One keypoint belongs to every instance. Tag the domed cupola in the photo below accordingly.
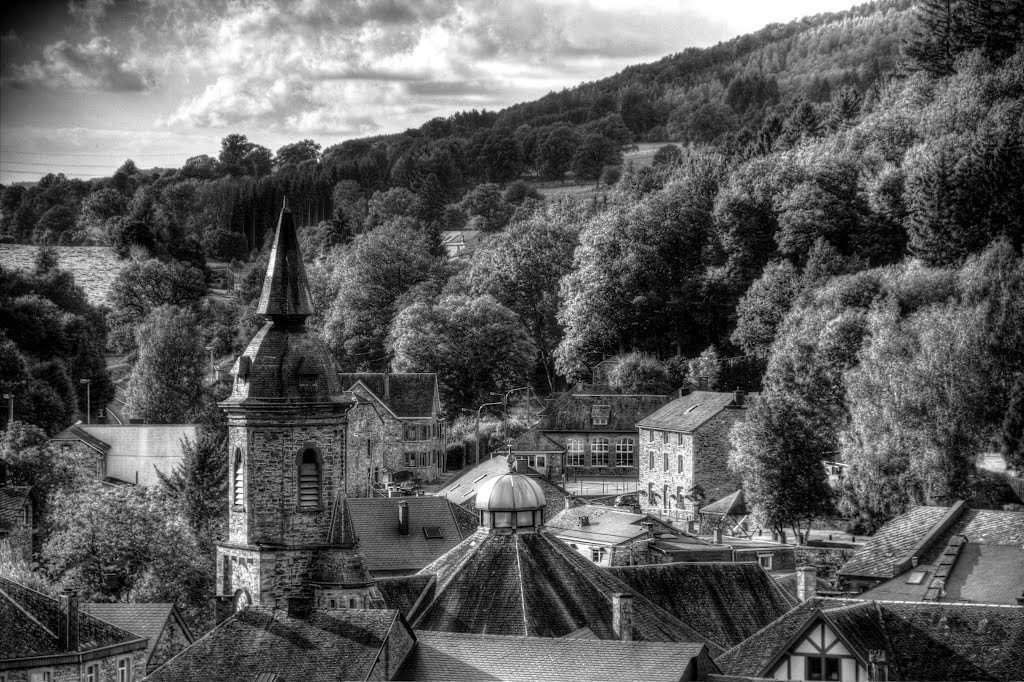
(511, 503)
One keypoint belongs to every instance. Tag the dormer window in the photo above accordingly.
(238, 480)
(307, 385)
(599, 414)
(309, 479)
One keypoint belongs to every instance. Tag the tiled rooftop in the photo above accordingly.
(687, 413)
(375, 523)
(573, 411)
(408, 394)
(144, 620)
(612, 525)
(726, 602)
(892, 542)
(75, 432)
(446, 656)
(325, 647)
(535, 441)
(12, 504)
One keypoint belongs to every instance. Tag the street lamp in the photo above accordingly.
(9, 397)
(504, 406)
(478, 427)
(88, 399)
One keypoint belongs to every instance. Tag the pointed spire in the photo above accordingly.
(285, 296)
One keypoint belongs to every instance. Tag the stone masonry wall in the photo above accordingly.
(660, 476)
(711, 457)
(270, 454)
(75, 672)
(557, 464)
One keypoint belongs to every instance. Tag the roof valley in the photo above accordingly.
(522, 589)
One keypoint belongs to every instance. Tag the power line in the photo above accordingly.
(59, 165)
(98, 154)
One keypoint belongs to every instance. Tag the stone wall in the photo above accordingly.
(75, 672)
(711, 457)
(661, 477)
(271, 449)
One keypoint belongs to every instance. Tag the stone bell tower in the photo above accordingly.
(287, 418)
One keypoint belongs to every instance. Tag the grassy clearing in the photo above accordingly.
(640, 157)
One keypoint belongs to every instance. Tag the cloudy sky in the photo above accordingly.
(85, 84)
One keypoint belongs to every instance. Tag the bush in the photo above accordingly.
(225, 246)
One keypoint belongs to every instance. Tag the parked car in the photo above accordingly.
(401, 483)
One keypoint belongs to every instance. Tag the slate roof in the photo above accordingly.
(923, 641)
(402, 593)
(285, 291)
(534, 585)
(573, 411)
(145, 620)
(730, 505)
(535, 441)
(892, 542)
(981, 526)
(75, 432)
(12, 503)
(448, 656)
(725, 602)
(982, 574)
(29, 621)
(375, 522)
(687, 413)
(787, 581)
(410, 395)
(339, 566)
(611, 525)
(327, 646)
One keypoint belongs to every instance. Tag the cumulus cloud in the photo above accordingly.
(97, 64)
(89, 12)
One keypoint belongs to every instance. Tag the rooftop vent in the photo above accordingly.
(584, 520)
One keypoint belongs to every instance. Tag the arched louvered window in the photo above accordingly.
(309, 479)
(238, 498)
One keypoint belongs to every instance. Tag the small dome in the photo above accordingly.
(510, 492)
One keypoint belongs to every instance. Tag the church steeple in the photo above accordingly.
(285, 297)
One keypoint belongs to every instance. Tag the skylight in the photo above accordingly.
(477, 480)
(432, 532)
(691, 409)
(917, 577)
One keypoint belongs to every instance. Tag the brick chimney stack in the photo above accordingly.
(702, 384)
(622, 616)
(403, 517)
(806, 582)
(740, 397)
(716, 536)
(67, 621)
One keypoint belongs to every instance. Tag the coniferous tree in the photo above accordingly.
(200, 485)
(936, 37)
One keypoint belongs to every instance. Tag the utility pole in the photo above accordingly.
(10, 407)
(478, 427)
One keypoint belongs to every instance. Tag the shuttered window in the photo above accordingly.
(239, 480)
(309, 480)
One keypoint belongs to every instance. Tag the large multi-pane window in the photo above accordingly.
(624, 452)
(599, 452)
(574, 452)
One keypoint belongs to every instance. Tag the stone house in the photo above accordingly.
(395, 425)
(588, 431)
(162, 625)
(18, 518)
(53, 640)
(683, 452)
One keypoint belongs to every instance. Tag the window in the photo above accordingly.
(353, 604)
(536, 461)
(309, 479)
(599, 414)
(124, 670)
(664, 496)
(574, 452)
(650, 460)
(650, 436)
(41, 676)
(650, 492)
(765, 560)
(679, 463)
(432, 532)
(333, 603)
(410, 459)
(599, 452)
(597, 554)
(679, 439)
(422, 459)
(239, 480)
(916, 578)
(664, 462)
(824, 668)
(624, 452)
(92, 673)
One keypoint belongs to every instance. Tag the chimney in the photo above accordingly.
(622, 616)
(648, 527)
(584, 521)
(806, 582)
(223, 607)
(716, 536)
(568, 501)
(740, 396)
(702, 383)
(67, 621)
(3, 473)
(403, 517)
